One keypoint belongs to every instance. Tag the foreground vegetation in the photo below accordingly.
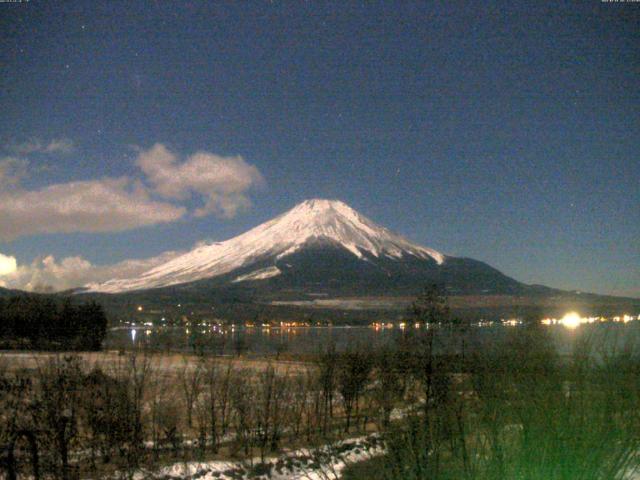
(516, 410)
(49, 323)
(522, 412)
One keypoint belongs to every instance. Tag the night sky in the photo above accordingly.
(508, 132)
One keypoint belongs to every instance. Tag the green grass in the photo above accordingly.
(524, 413)
(372, 469)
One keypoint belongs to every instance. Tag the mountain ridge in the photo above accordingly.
(325, 249)
(314, 221)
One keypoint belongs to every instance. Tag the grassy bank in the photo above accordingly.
(522, 412)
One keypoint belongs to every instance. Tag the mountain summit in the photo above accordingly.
(313, 225)
(324, 256)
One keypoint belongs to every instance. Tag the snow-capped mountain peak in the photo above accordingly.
(312, 221)
(335, 220)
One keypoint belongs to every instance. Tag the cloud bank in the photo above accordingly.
(47, 274)
(12, 171)
(7, 265)
(35, 145)
(219, 184)
(167, 184)
(107, 205)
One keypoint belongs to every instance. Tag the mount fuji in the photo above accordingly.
(322, 247)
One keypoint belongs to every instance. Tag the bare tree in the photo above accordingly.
(273, 391)
(107, 415)
(429, 309)
(19, 410)
(264, 404)
(159, 386)
(168, 422)
(240, 393)
(313, 410)
(391, 382)
(214, 405)
(327, 366)
(136, 373)
(353, 374)
(301, 385)
(59, 381)
(191, 383)
(224, 397)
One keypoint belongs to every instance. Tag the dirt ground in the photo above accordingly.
(161, 362)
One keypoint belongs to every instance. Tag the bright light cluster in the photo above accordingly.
(573, 320)
(570, 320)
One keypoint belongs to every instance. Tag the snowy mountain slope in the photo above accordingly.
(260, 274)
(310, 223)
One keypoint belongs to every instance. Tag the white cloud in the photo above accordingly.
(7, 265)
(222, 182)
(107, 205)
(35, 145)
(117, 204)
(62, 145)
(46, 274)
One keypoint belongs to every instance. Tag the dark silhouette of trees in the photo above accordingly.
(391, 374)
(327, 368)
(353, 375)
(107, 413)
(431, 306)
(41, 322)
(59, 398)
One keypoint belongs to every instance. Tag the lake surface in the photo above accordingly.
(311, 340)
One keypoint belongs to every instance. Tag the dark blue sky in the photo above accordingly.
(507, 131)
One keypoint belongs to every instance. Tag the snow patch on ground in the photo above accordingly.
(323, 463)
(346, 303)
(261, 274)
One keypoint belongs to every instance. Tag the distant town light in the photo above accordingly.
(139, 308)
(571, 320)
(512, 322)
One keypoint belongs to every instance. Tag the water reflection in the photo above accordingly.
(233, 340)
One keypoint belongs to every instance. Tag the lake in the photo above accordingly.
(310, 340)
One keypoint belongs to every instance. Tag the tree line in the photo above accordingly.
(47, 322)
